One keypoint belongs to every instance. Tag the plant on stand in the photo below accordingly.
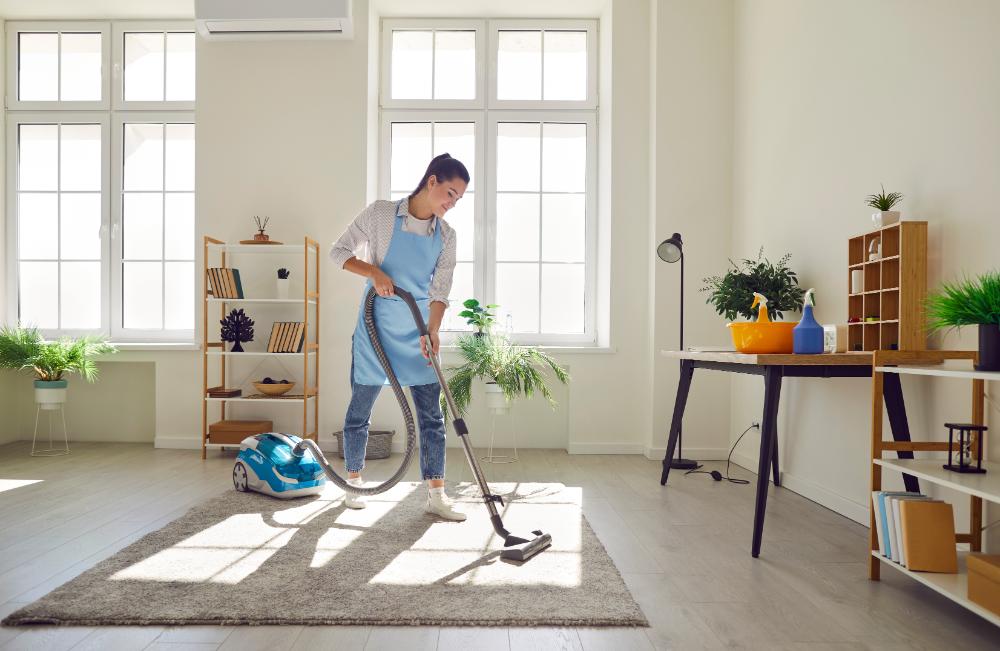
(283, 283)
(732, 294)
(883, 203)
(971, 302)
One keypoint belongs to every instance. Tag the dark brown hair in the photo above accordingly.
(443, 168)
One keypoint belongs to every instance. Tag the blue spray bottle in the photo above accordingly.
(807, 336)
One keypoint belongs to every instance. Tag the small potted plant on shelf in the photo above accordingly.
(732, 295)
(507, 369)
(883, 203)
(237, 327)
(24, 348)
(478, 316)
(971, 302)
(283, 283)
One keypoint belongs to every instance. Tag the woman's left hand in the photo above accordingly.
(435, 345)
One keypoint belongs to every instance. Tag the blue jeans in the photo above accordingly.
(426, 400)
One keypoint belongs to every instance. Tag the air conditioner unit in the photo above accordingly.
(273, 19)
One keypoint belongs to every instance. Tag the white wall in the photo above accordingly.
(831, 100)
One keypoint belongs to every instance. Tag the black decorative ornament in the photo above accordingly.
(237, 327)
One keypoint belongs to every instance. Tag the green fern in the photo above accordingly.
(25, 348)
(517, 370)
(732, 294)
(966, 302)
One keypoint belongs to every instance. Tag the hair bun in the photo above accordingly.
(441, 156)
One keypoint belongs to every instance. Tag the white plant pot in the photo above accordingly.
(282, 287)
(50, 395)
(885, 218)
(495, 399)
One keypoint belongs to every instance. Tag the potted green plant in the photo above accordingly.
(478, 316)
(883, 203)
(971, 302)
(732, 293)
(25, 349)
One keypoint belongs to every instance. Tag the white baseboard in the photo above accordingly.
(812, 491)
(328, 446)
(698, 454)
(605, 448)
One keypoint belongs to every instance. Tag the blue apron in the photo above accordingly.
(410, 262)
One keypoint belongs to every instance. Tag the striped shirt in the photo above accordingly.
(368, 237)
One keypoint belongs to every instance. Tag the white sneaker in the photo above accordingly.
(353, 500)
(441, 505)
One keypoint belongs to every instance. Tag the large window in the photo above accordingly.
(516, 101)
(100, 209)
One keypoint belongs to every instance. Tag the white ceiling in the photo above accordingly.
(56, 9)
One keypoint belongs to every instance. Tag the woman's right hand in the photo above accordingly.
(383, 283)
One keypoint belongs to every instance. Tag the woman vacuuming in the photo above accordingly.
(408, 245)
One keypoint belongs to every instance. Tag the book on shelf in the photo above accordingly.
(928, 536)
(899, 545)
(225, 282)
(882, 519)
(286, 337)
(222, 392)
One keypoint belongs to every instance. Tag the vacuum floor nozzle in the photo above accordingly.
(520, 549)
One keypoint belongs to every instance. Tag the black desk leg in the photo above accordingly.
(774, 463)
(683, 386)
(768, 434)
(892, 392)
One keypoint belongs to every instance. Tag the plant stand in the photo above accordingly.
(50, 451)
(499, 458)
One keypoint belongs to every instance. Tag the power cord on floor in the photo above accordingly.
(718, 476)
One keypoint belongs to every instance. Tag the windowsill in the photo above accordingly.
(155, 346)
(566, 350)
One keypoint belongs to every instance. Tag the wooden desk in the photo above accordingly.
(773, 368)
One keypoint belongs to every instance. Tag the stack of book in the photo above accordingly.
(225, 282)
(916, 531)
(223, 392)
(286, 337)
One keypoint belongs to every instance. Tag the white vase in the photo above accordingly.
(885, 218)
(495, 399)
(50, 395)
(282, 288)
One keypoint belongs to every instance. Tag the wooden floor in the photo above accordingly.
(684, 551)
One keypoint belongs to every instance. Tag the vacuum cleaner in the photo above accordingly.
(288, 466)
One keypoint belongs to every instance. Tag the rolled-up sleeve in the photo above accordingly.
(357, 235)
(445, 270)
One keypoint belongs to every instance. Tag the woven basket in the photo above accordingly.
(379, 443)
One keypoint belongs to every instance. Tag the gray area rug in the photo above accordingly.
(245, 558)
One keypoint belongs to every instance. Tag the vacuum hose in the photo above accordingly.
(404, 404)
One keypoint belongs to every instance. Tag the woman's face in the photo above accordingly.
(443, 195)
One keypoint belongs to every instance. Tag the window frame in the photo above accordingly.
(14, 28)
(119, 29)
(13, 257)
(429, 24)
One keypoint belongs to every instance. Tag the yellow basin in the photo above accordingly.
(758, 338)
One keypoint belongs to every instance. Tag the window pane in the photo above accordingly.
(38, 67)
(564, 157)
(517, 227)
(80, 77)
(518, 156)
(410, 154)
(142, 295)
(144, 67)
(180, 67)
(564, 227)
(80, 157)
(37, 222)
(519, 65)
(179, 157)
(461, 290)
(459, 140)
(462, 219)
(563, 298)
(411, 64)
(455, 65)
(80, 226)
(565, 66)
(80, 293)
(179, 230)
(39, 287)
(179, 294)
(143, 157)
(38, 155)
(517, 294)
(142, 226)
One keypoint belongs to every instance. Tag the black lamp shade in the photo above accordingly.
(671, 250)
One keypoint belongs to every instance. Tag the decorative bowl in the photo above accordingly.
(275, 389)
(761, 338)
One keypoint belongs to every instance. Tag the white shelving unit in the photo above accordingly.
(978, 487)
(215, 350)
